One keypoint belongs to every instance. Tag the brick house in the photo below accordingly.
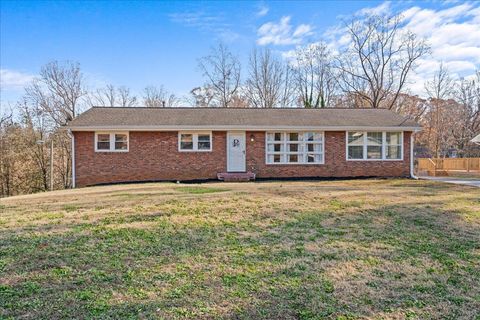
(113, 145)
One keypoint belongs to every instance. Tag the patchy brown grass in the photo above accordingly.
(376, 249)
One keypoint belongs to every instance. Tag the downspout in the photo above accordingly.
(73, 157)
(412, 174)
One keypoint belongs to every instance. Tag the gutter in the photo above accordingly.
(73, 157)
(412, 162)
(238, 127)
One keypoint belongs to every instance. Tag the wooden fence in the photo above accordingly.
(439, 166)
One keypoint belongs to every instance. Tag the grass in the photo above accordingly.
(377, 249)
(200, 190)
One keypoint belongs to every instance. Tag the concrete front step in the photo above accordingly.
(236, 176)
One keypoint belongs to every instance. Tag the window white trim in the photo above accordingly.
(112, 141)
(195, 135)
(384, 146)
(285, 142)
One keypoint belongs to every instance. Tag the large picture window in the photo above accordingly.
(111, 141)
(295, 147)
(194, 141)
(375, 145)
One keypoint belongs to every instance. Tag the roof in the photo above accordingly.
(151, 119)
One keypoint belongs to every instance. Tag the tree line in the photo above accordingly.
(371, 70)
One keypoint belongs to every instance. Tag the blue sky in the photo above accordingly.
(136, 44)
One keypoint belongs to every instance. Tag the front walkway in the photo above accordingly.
(465, 181)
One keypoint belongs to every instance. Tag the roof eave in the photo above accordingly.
(243, 128)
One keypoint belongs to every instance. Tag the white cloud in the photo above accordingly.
(197, 19)
(423, 21)
(206, 22)
(262, 10)
(459, 66)
(378, 10)
(302, 29)
(289, 55)
(14, 80)
(282, 33)
(454, 36)
(452, 31)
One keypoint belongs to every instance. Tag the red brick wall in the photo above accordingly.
(335, 165)
(151, 156)
(155, 156)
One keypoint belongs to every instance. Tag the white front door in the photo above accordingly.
(236, 152)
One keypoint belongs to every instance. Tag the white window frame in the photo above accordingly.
(112, 141)
(384, 145)
(285, 142)
(195, 135)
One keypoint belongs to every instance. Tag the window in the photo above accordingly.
(195, 141)
(393, 145)
(374, 145)
(186, 142)
(355, 145)
(294, 147)
(111, 142)
(204, 142)
(121, 141)
(103, 142)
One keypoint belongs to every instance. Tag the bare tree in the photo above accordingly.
(439, 88)
(103, 97)
(380, 56)
(201, 97)
(222, 72)
(58, 91)
(5, 160)
(111, 96)
(467, 93)
(125, 98)
(442, 85)
(22, 160)
(264, 86)
(412, 106)
(157, 97)
(8, 161)
(314, 76)
(289, 96)
(35, 134)
(5, 116)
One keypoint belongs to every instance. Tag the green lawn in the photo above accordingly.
(376, 249)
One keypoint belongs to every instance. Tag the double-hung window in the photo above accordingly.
(294, 148)
(393, 145)
(374, 145)
(194, 141)
(111, 141)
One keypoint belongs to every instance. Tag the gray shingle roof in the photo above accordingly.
(236, 118)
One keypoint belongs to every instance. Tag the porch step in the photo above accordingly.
(236, 176)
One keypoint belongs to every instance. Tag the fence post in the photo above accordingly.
(468, 164)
